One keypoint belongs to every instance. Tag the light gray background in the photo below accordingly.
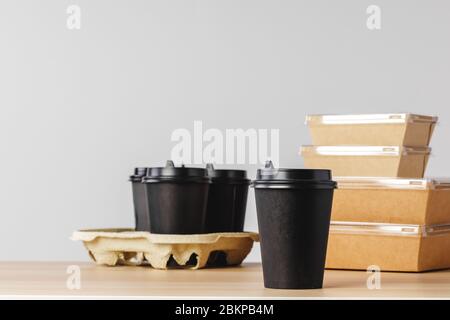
(79, 109)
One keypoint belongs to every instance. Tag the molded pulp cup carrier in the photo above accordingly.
(140, 203)
(177, 199)
(227, 200)
(293, 208)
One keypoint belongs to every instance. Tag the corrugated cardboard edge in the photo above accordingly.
(123, 246)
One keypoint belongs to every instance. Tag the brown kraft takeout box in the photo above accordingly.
(391, 247)
(397, 129)
(401, 201)
(372, 161)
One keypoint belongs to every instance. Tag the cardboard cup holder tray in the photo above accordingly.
(163, 251)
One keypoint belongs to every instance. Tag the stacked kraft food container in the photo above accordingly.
(385, 213)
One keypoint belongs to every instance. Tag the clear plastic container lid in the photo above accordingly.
(387, 228)
(392, 183)
(381, 118)
(364, 150)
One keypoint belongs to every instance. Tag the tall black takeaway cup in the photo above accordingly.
(227, 200)
(293, 208)
(177, 199)
(141, 214)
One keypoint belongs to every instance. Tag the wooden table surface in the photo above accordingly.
(49, 279)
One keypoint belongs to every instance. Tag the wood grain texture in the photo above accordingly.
(43, 279)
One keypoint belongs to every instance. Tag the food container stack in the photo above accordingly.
(378, 145)
(385, 213)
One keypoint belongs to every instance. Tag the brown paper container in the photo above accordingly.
(409, 248)
(126, 246)
(400, 129)
(371, 161)
(403, 201)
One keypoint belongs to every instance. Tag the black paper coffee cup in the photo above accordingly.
(227, 200)
(141, 213)
(293, 208)
(177, 199)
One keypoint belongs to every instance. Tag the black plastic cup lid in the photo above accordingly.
(172, 173)
(307, 177)
(138, 174)
(226, 174)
